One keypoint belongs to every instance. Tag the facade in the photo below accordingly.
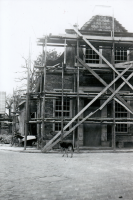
(85, 89)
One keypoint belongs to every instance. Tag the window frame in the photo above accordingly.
(122, 126)
(120, 53)
(91, 56)
(54, 110)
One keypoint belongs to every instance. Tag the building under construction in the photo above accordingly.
(86, 95)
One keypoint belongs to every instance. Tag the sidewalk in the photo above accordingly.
(7, 147)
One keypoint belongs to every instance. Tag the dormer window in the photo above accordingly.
(91, 56)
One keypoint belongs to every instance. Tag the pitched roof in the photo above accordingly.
(102, 23)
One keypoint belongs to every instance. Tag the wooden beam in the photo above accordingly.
(27, 99)
(98, 38)
(88, 122)
(78, 94)
(52, 44)
(124, 63)
(90, 119)
(39, 67)
(62, 100)
(42, 67)
(105, 66)
(44, 87)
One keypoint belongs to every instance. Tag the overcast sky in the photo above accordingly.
(24, 20)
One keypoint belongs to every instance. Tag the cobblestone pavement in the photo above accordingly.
(37, 176)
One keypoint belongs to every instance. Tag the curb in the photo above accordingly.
(29, 150)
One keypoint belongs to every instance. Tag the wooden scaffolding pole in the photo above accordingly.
(62, 102)
(27, 101)
(39, 113)
(74, 105)
(113, 63)
(43, 134)
(14, 115)
(62, 94)
(78, 95)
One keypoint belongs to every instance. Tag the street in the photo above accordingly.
(86, 176)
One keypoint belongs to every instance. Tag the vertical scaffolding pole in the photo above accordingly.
(62, 102)
(10, 127)
(113, 63)
(78, 95)
(65, 53)
(62, 97)
(43, 134)
(27, 101)
(14, 115)
(74, 104)
(39, 113)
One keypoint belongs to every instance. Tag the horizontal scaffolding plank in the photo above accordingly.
(53, 44)
(95, 37)
(90, 119)
(72, 41)
(86, 122)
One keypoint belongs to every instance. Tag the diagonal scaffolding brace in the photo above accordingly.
(128, 107)
(117, 90)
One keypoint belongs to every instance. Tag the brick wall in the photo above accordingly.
(54, 81)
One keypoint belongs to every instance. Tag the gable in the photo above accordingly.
(102, 23)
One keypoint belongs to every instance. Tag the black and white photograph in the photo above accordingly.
(66, 99)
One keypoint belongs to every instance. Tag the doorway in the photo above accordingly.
(92, 132)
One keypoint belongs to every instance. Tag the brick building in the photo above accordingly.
(93, 77)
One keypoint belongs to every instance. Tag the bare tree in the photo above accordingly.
(51, 56)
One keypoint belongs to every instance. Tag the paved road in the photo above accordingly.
(37, 176)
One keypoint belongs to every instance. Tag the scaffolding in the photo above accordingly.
(124, 71)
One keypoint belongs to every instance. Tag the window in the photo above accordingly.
(120, 112)
(121, 128)
(58, 108)
(58, 111)
(120, 55)
(91, 56)
(58, 127)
